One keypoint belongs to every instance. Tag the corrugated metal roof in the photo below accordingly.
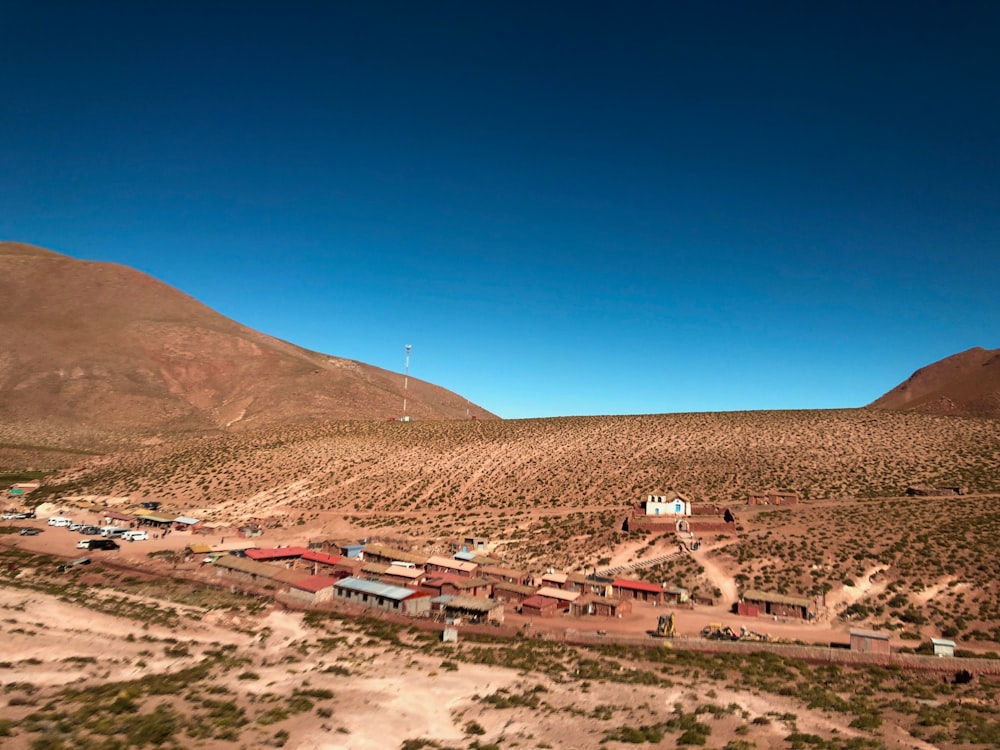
(553, 593)
(276, 553)
(390, 553)
(321, 557)
(187, 520)
(447, 562)
(466, 556)
(375, 588)
(625, 583)
(857, 633)
(312, 584)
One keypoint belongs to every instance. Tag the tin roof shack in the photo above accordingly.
(625, 588)
(773, 497)
(438, 564)
(513, 593)
(869, 642)
(540, 606)
(943, 647)
(472, 609)
(599, 606)
(186, 523)
(312, 590)
(382, 596)
(504, 575)
(777, 605)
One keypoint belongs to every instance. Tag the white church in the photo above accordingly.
(671, 504)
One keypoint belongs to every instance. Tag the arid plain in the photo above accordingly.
(112, 658)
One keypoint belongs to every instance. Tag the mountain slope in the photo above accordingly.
(93, 349)
(967, 383)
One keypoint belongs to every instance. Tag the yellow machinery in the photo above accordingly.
(666, 627)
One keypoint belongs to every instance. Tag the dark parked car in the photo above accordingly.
(91, 530)
(30, 531)
(102, 544)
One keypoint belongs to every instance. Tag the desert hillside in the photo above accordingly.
(92, 354)
(967, 383)
(568, 464)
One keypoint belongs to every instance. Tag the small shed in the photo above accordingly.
(943, 647)
(869, 642)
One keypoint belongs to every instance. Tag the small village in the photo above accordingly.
(472, 586)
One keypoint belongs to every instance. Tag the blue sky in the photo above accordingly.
(566, 208)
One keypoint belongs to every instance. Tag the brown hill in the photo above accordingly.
(95, 353)
(967, 384)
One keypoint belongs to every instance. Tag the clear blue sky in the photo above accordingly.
(567, 208)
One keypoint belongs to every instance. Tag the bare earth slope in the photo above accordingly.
(967, 383)
(90, 351)
(566, 463)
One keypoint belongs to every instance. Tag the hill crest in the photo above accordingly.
(95, 351)
(966, 384)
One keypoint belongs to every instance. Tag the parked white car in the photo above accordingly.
(60, 521)
(135, 536)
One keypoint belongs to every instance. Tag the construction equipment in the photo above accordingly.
(665, 627)
(716, 631)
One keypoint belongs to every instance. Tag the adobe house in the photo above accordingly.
(563, 598)
(540, 606)
(440, 584)
(379, 553)
(754, 603)
(438, 564)
(504, 575)
(773, 497)
(312, 590)
(284, 555)
(590, 584)
(869, 642)
(319, 563)
(382, 596)
(626, 588)
(599, 606)
(513, 593)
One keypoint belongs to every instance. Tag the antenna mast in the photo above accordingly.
(406, 378)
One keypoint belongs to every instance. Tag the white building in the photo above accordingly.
(671, 504)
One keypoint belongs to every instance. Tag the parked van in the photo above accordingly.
(97, 544)
(112, 532)
(60, 521)
(135, 536)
